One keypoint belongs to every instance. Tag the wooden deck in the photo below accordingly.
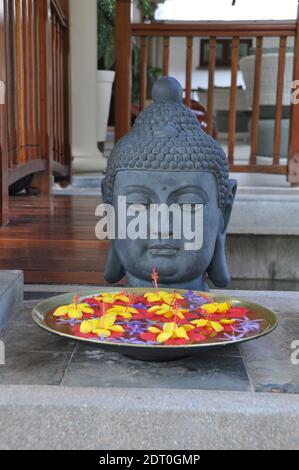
(53, 240)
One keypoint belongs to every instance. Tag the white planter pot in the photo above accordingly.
(105, 79)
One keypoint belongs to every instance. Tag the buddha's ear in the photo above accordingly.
(227, 209)
(218, 270)
(103, 189)
(114, 270)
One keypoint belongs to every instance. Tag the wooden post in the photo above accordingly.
(279, 98)
(212, 65)
(189, 71)
(66, 134)
(165, 56)
(143, 72)
(123, 80)
(43, 181)
(233, 100)
(293, 164)
(256, 100)
(3, 125)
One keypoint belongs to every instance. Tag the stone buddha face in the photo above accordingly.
(196, 186)
(176, 266)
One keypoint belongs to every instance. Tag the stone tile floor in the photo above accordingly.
(35, 357)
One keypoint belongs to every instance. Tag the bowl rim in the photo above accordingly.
(40, 311)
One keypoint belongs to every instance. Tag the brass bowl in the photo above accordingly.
(149, 352)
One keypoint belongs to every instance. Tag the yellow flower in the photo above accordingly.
(216, 307)
(75, 311)
(166, 297)
(170, 297)
(171, 330)
(212, 325)
(168, 311)
(122, 311)
(110, 298)
(103, 326)
(153, 296)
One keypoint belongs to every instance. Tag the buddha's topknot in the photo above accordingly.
(167, 136)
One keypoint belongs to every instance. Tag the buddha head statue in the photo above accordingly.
(167, 159)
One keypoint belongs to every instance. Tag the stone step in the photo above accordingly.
(66, 393)
(263, 241)
(176, 419)
(265, 211)
(11, 295)
(263, 257)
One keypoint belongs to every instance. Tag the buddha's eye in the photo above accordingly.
(138, 201)
(138, 207)
(191, 208)
(190, 202)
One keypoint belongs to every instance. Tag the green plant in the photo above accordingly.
(106, 28)
(148, 8)
(153, 73)
(106, 41)
(106, 34)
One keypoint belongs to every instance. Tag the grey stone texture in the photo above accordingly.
(165, 158)
(167, 136)
(11, 295)
(96, 368)
(268, 257)
(95, 418)
(265, 211)
(263, 240)
(58, 395)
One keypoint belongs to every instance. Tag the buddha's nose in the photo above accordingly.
(162, 231)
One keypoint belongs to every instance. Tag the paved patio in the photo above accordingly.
(257, 372)
(35, 357)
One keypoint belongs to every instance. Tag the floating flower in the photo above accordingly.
(171, 331)
(195, 301)
(111, 298)
(168, 311)
(216, 307)
(122, 311)
(102, 327)
(212, 325)
(75, 311)
(237, 312)
(162, 296)
(157, 318)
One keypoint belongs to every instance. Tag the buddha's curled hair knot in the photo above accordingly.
(167, 136)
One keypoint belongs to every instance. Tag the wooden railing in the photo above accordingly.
(3, 135)
(235, 31)
(34, 57)
(60, 91)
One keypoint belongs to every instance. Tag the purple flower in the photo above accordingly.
(195, 301)
(71, 322)
(139, 306)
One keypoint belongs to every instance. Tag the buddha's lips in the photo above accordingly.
(163, 250)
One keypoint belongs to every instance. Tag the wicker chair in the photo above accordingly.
(268, 89)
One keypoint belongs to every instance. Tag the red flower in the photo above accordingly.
(148, 336)
(195, 336)
(116, 334)
(237, 312)
(191, 316)
(76, 331)
(178, 341)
